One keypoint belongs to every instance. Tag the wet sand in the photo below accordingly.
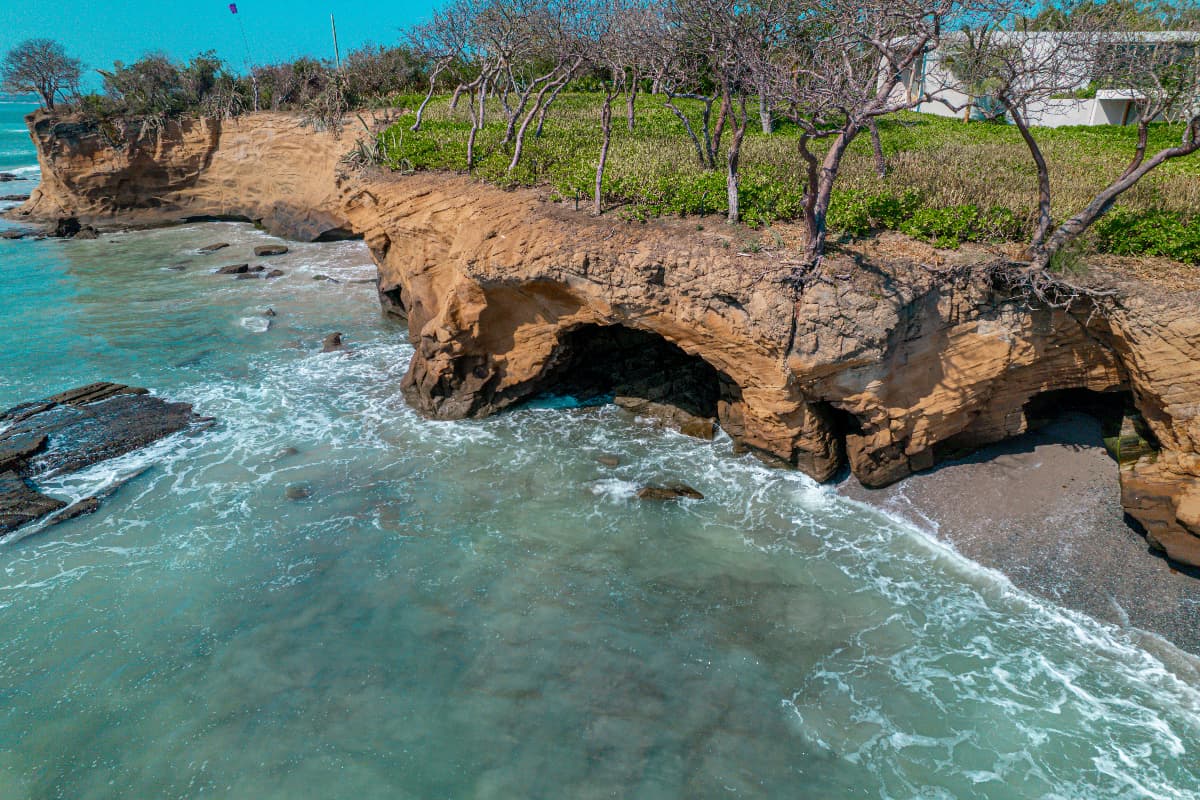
(1045, 510)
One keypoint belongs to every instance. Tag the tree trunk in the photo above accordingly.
(606, 138)
(700, 154)
(764, 113)
(519, 147)
(1037, 245)
(631, 102)
(817, 196)
(1100, 205)
(541, 118)
(731, 163)
(877, 145)
(719, 129)
(416, 126)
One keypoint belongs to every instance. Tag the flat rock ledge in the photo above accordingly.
(69, 432)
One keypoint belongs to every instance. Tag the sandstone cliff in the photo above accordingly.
(884, 365)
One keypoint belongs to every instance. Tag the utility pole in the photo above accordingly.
(337, 55)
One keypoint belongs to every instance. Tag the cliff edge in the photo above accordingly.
(885, 364)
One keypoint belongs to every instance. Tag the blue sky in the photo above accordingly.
(101, 31)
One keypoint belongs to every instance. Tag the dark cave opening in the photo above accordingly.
(600, 363)
(1123, 432)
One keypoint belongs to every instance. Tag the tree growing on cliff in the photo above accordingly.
(42, 67)
(837, 69)
(1014, 73)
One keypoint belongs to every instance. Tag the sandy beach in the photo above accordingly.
(1044, 509)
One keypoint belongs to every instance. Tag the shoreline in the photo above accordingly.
(1044, 510)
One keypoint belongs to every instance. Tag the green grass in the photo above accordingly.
(948, 181)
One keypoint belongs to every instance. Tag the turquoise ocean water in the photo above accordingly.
(480, 609)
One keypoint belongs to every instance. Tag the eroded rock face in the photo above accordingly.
(266, 169)
(884, 366)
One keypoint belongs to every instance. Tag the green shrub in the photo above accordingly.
(857, 213)
(1153, 233)
(953, 225)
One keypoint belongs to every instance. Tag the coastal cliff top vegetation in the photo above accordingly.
(943, 181)
(773, 110)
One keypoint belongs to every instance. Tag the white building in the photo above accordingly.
(1069, 68)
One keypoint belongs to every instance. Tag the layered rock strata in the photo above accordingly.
(69, 432)
(882, 365)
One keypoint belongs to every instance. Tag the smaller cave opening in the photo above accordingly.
(1121, 429)
(339, 235)
(643, 373)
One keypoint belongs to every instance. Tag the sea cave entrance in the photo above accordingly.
(1121, 429)
(644, 373)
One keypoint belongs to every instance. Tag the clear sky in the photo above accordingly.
(101, 31)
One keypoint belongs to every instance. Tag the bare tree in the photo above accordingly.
(839, 69)
(443, 43)
(621, 56)
(562, 33)
(1016, 73)
(40, 66)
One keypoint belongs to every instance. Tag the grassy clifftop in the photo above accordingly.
(947, 181)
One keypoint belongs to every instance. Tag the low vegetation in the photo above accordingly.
(946, 181)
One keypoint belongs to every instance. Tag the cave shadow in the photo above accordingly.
(594, 364)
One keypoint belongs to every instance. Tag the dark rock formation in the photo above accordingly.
(266, 250)
(333, 344)
(234, 269)
(66, 227)
(212, 248)
(71, 431)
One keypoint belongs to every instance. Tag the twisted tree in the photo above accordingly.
(41, 67)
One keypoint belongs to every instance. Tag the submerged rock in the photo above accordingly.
(212, 248)
(73, 430)
(275, 273)
(87, 232)
(333, 344)
(608, 461)
(266, 250)
(298, 491)
(234, 269)
(672, 491)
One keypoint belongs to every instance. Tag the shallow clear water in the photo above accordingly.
(480, 609)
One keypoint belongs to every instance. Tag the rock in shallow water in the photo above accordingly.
(672, 491)
(266, 250)
(298, 491)
(212, 248)
(21, 504)
(71, 431)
